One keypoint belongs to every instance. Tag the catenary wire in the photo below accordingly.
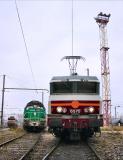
(27, 52)
(72, 26)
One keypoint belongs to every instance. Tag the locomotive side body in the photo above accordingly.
(74, 106)
(34, 116)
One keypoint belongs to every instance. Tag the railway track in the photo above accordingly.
(94, 151)
(72, 151)
(10, 140)
(4, 129)
(8, 136)
(46, 157)
(19, 147)
(43, 147)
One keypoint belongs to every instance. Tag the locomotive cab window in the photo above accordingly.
(88, 87)
(74, 87)
(61, 87)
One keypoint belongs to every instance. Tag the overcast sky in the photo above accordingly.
(47, 29)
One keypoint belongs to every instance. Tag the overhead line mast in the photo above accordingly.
(102, 20)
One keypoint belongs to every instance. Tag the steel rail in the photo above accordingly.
(94, 151)
(3, 129)
(51, 151)
(29, 150)
(6, 142)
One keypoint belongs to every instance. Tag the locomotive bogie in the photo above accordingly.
(86, 125)
(34, 125)
(68, 122)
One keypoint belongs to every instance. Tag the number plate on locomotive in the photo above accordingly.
(72, 111)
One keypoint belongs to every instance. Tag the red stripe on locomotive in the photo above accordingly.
(77, 106)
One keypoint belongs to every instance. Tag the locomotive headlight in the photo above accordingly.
(59, 109)
(64, 110)
(86, 110)
(91, 109)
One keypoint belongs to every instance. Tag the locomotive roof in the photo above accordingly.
(75, 78)
(34, 102)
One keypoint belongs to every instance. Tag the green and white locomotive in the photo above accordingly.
(34, 116)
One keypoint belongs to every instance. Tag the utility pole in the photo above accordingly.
(116, 111)
(43, 97)
(3, 90)
(102, 20)
(88, 72)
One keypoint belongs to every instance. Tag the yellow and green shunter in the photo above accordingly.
(34, 116)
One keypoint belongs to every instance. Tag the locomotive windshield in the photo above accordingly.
(34, 105)
(74, 87)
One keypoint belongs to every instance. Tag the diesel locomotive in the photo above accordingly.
(74, 109)
(34, 116)
(12, 122)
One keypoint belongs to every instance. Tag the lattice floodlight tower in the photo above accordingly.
(73, 60)
(102, 20)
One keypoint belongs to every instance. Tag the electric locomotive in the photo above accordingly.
(34, 116)
(74, 105)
